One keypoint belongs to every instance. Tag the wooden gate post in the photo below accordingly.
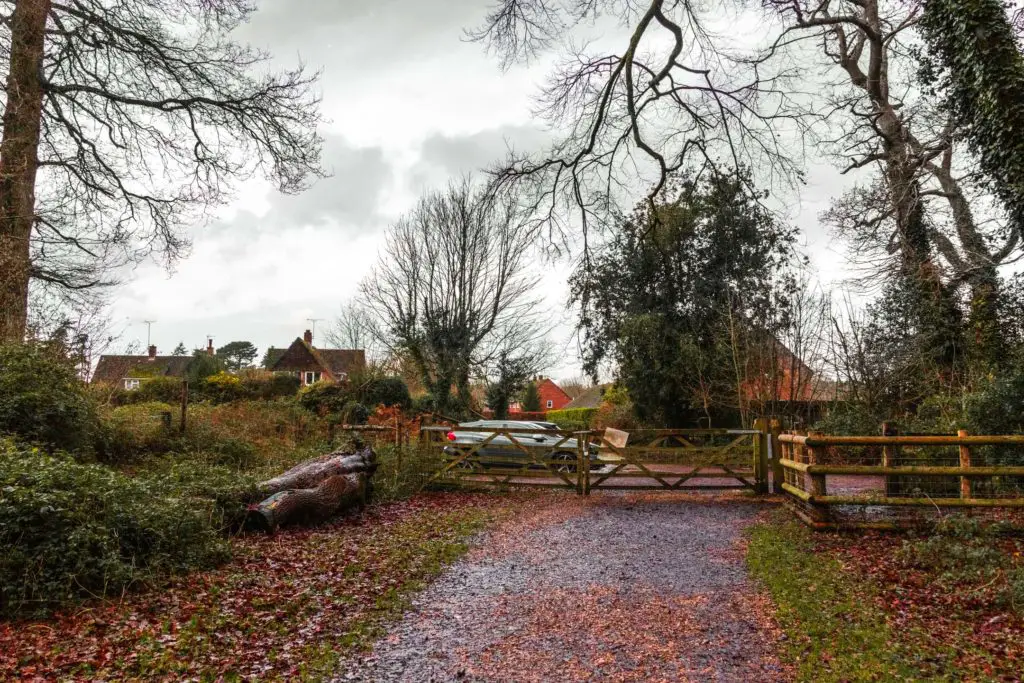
(778, 476)
(965, 461)
(761, 455)
(816, 482)
(582, 462)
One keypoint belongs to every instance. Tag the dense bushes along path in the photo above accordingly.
(625, 588)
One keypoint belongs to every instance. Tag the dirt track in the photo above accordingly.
(632, 587)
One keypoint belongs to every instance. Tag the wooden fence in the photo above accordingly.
(687, 459)
(888, 481)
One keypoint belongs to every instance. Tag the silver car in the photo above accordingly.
(546, 445)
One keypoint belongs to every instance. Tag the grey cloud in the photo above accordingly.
(350, 194)
(446, 156)
(371, 33)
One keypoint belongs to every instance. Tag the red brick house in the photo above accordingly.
(551, 396)
(312, 364)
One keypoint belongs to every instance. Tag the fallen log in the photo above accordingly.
(310, 473)
(315, 490)
(332, 496)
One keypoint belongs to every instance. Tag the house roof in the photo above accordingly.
(116, 368)
(334, 361)
(547, 381)
(590, 398)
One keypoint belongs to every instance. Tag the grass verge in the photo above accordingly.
(834, 629)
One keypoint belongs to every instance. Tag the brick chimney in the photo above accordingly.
(308, 337)
(209, 348)
(152, 352)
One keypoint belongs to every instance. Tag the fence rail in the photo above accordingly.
(830, 475)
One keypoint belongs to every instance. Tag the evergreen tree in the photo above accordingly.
(529, 402)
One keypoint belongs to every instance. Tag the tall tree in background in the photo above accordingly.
(180, 350)
(529, 399)
(237, 355)
(922, 218)
(689, 294)
(452, 290)
(122, 121)
(511, 374)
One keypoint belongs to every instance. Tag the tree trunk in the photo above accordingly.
(311, 472)
(315, 490)
(333, 495)
(19, 161)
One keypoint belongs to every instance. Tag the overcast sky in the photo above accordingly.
(409, 105)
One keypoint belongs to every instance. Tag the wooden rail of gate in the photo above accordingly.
(909, 472)
(524, 463)
(681, 459)
(678, 459)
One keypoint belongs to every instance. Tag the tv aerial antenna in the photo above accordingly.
(149, 331)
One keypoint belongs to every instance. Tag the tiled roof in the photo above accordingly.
(590, 398)
(116, 368)
(336, 361)
(346, 361)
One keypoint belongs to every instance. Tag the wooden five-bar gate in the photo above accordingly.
(830, 481)
(658, 459)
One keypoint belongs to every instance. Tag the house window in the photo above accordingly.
(131, 384)
(551, 404)
(311, 377)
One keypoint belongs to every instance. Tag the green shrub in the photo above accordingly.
(324, 397)
(270, 385)
(43, 401)
(386, 391)
(425, 403)
(355, 413)
(574, 418)
(132, 431)
(72, 530)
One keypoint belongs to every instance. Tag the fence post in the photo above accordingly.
(184, 404)
(778, 476)
(582, 462)
(816, 482)
(965, 461)
(761, 455)
(889, 458)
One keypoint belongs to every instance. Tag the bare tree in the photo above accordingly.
(123, 119)
(353, 328)
(452, 291)
(575, 385)
(919, 214)
(675, 98)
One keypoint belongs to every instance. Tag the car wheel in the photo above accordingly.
(564, 461)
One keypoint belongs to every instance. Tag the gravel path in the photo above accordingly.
(627, 587)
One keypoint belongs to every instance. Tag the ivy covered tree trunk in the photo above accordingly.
(18, 162)
(973, 47)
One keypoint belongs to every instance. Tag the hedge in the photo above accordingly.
(573, 418)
